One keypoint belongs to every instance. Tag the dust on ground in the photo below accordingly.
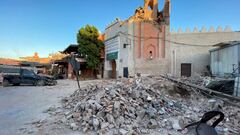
(23, 105)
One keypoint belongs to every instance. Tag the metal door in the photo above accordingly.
(186, 69)
(125, 72)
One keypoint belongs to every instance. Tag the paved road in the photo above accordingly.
(26, 104)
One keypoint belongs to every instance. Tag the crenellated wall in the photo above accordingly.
(144, 43)
(196, 46)
(202, 30)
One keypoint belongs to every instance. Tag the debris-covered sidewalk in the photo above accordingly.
(143, 105)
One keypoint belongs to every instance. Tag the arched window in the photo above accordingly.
(150, 55)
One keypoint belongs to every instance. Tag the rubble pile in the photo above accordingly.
(197, 80)
(140, 106)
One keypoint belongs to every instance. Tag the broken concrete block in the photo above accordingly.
(144, 131)
(177, 124)
(123, 131)
(120, 120)
(215, 104)
(78, 105)
(63, 120)
(74, 126)
(116, 105)
(149, 98)
(152, 124)
(85, 129)
(104, 125)
(95, 123)
(110, 118)
(69, 116)
(76, 115)
(162, 111)
(67, 113)
(152, 112)
(94, 104)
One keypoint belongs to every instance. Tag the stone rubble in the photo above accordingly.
(140, 106)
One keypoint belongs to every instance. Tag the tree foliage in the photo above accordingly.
(89, 45)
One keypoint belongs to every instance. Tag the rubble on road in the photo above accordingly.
(140, 106)
(195, 79)
(224, 85)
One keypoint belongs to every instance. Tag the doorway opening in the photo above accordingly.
(125, 72)
(186, 69)
(114, 69)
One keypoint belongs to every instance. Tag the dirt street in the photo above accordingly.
(21, 106)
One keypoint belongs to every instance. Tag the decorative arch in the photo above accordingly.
(150, 52)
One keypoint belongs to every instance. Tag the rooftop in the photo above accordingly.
(223, 45)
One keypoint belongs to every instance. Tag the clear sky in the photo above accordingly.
(47, 26)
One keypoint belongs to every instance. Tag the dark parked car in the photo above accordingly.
(28, 77)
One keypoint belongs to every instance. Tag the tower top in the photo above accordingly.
(150, 12)
(151, 9)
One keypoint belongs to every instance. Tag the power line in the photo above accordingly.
(149, 38)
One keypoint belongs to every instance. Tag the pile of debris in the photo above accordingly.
(196, 79)
(140, 106)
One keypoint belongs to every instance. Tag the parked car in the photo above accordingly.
(25, 76)
(1, 78)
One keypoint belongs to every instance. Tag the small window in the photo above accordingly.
(124, 45)
(150, 55)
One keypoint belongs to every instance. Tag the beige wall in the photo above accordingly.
(195, 52)
(198, 56)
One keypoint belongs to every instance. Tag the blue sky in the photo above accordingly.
(47, 26)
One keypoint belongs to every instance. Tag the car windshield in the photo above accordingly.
(28, 73)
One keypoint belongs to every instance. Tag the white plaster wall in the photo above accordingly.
(110, 47)
(112, 44)
(131, 51)
(116, 45)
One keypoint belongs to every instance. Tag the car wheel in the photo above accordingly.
(5, 83)
(54, 82)
(40, 83)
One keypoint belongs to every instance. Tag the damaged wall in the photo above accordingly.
(152, 49)
(130, 39)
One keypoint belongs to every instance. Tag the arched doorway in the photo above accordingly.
(114, 69)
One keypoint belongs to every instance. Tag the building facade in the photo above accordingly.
(194, 52)
(144, 44)
(138, 43)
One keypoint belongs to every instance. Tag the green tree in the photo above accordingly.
(90, 46)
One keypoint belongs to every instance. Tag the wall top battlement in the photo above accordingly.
(202, 30)
(117, 20)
